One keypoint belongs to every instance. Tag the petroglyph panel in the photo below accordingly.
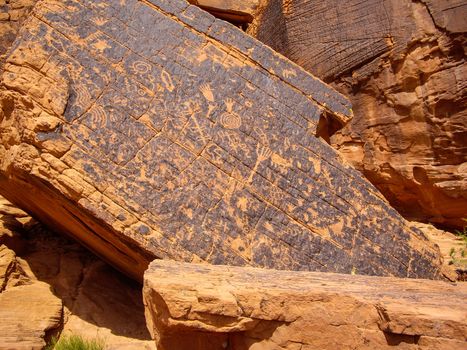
(178, 136)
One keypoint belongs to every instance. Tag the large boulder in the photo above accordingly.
(151, 129)
(402, 64)
(197, 307)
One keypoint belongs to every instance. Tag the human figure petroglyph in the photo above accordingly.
(229, 119)
(263, 153)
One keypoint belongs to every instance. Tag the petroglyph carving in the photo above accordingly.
(141, 67)
(229, 119)
(82, 95)
(99, 21)
(288, 73)
(262, 153)
(227, 181)
(207, 92)
(167, 81)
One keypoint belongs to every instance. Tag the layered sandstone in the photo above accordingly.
(195, 145)
(50, 286)
(402, 64)
(190, 306)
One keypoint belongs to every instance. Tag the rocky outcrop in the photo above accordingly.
(51, 286)
(402, 65)
(197, 145)
(28, 313)
(190, 306)
(12, 15)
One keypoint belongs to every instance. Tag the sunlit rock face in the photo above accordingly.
(402, 65)
(151, 129)
(197, 307)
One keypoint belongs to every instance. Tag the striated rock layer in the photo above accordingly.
(402, 64)
(50, 286)
(191, 306)
(151, 129)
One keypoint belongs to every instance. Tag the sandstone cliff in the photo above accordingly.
(50, 285)
(402, 64)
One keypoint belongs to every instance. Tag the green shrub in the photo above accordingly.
(458, 256)
(75, 342)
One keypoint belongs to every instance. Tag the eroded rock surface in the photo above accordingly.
(12, 15)
(52, 286)
(195, 145)
(402, 64)
(192, 306)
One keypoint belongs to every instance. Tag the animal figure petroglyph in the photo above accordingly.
(289, 73)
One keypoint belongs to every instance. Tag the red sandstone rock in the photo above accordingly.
(402, 65)
(199, 307)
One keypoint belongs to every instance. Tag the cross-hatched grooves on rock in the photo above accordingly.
(150, 129)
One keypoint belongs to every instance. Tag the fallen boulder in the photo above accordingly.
(197, 307)
(151, 129)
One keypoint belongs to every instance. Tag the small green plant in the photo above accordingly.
(75, 342)
(458, 256)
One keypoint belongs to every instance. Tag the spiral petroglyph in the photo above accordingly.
(141, 67)
(230, 120)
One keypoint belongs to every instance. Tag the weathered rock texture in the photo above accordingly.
(237, 11)
(190, 306)
(12, 15)
(402, 64)
(50, 286)
(151, 129)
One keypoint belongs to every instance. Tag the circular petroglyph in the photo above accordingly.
(141, 67)
(230, 120)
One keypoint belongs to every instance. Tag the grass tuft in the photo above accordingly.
(75, 342)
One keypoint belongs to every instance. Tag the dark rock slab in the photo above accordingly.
(150, 129)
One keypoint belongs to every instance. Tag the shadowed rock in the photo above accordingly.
(191, 306)
(151, 129)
